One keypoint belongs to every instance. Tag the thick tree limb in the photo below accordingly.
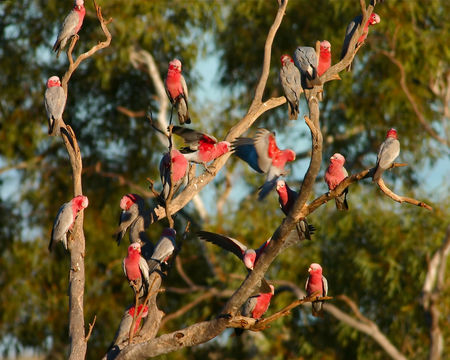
(432, 296)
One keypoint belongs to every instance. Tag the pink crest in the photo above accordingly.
(392, 133)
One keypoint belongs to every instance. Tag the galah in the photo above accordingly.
(316, 283)
(334, 175)
(163, 249)
(136, 269)
(247, 255)
(200, 148)
(324, 57)
(388, 152)
(54, 101)
(177, 91)
(70, 27)
(256, 306)
(305, 58)
(287, 197)
(263, 155)
(123, 332)
(291, 83)
(180, 172)
(135, 216)
(65, 219)
(351, 28)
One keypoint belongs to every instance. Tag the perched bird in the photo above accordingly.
(54, 101)
(256, 306)
(263, 155)
(70, 27)
(135, 216)
(123, 332)
(316, 282)
(335, 173)
(292, 87)
(163, 249)
(201, 148)
(305, 58)
(351, 28)
(136, 269)
(287, 197)
(65, 219)
(388, 152)
(324, 57)
(180, 167)
(247, 255)
(177, 91)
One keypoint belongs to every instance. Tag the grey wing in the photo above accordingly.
(224, 242)
(300, 59)
(144, 269)
(55, 99)
(124, 268)
(351, 28)
(63, 220)
(325, 285)
(389, 151)
(69, 25)
(311, 56)
(345, 171)
(185, 89)
(191, 137)
(290, 80)
(306, 284)
(261, 143)
(249, 306)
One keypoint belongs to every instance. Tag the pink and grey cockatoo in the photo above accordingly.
(291, 83)
(54, 101)
(263, 155)
(287, 197)
(334, 175)
(70, 27)
(200, 148)
(123, 332)
(136, 269)
(177, 91)
(305, 58)
(351, 28)
(135, 216)
(324, 57)
(256, 306)
(388, 152)
(316, 283)
(163, 249)
(180, 172)
(65, 219)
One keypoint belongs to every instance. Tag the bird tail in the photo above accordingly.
(183, 110)
(238, 331)
(377, 174)
(317, 310)
(341, 201)
(293, 110)
(266, 188)
(304, 230)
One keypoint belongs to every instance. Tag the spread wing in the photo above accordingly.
(193, 137)
(224, 242)
(245, 150)
(265, 144)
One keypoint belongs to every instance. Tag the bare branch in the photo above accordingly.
(91, 327)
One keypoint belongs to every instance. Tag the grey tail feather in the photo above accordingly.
(242, 141)
(341, 201)
(293, 111)
(266, 188)
(119, 237)
(317, 310)
(377, 174)
(50, 245)
(238, 331)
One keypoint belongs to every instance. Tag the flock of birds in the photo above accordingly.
(260, 152)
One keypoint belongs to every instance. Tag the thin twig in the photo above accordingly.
(401, 199)
(91, 326)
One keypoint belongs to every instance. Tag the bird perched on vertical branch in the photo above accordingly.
(305, 58)
(55, 102)
(70, 27)
(65, 219)
(200, 148)
(387, 153)
(324, 57)
(291, 83)
(123, 332)
(316, 283)
(334, 175)
(287, 197)
(256, 306)
(163, 249)
(180, 173)
(351, 28)
(263, 155)
(136, 270)
(177, 91)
